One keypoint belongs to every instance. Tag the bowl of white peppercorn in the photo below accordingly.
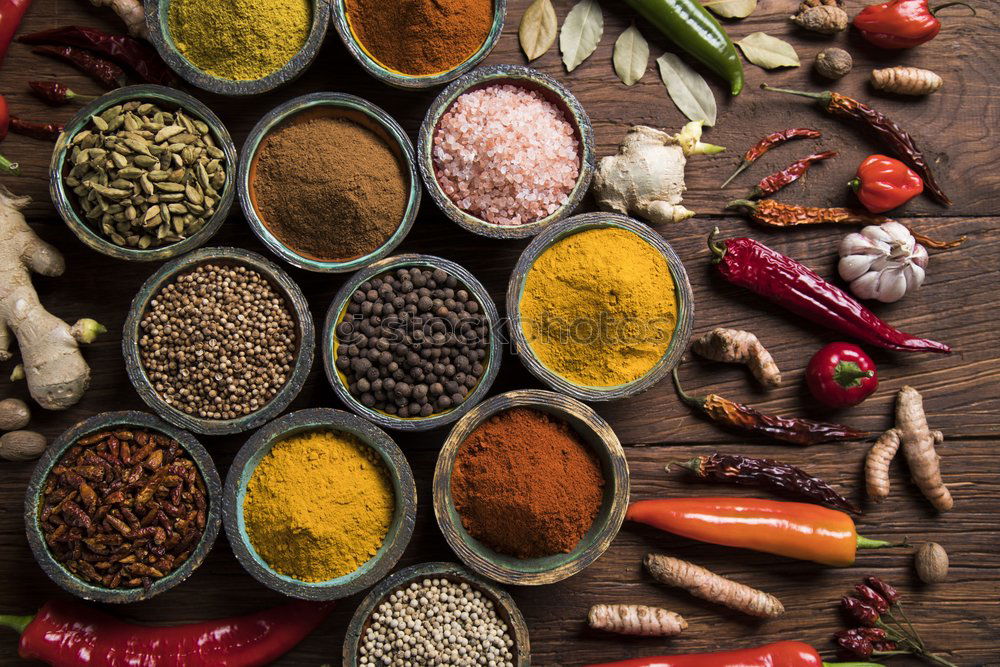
(219, 341)
(463, 620)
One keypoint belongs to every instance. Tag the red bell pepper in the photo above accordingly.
(883, 183)
(900, 24)
(841, 375)
(778, 654)
(11, 13)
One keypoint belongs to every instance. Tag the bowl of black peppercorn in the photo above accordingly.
(410, 342)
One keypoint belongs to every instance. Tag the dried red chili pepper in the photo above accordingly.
(859, 610)
(43, 131)
(57, 94)
(887, 591)
(768, 474)
(100, 70)
(901, 24)
(852, 645)
(782, 280)
(779, 179)
(767, 143)
(891, 134)
(869, 596)
(11, 13)
(786, 429)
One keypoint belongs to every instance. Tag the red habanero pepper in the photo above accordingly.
(28, 128)
(795, 530)
(779, 179)
(100, 70)
(841, 375)
(767, 143)
(884, 183)
(64, 632)
(778, 654)
(11, 13)
(780, 279)
(901, 24)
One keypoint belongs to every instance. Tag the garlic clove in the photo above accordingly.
(897, 232)
(856, 244)
(914, 274)
(877, 235)
(891, 285)
(919, 257)
(854, 266)
(866, 287)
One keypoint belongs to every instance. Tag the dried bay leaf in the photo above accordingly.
(732, 9)
(768, 52)
(687, 88)
(581, 32)
(538, 28)
(631, 56)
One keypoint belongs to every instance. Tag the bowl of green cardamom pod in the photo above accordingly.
(144, 173)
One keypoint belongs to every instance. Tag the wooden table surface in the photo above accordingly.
(957, 127)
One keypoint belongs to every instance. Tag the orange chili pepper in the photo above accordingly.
(795, 530)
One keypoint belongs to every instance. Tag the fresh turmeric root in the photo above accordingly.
(740, 347)
(635, 619)
(877, 464)
(707, 585)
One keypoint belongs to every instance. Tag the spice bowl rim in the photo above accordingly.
(605, 445)
(83, 230)
(337, 310)
(678, 339)
(338, 15)
(282, 113)
(104, 420)
(156, 14)
(503, 603)
(279, 280)
(518, 75)
(260, 444)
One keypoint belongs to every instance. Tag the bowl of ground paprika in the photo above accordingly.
(530, 487)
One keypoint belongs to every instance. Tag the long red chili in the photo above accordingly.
(769, 142)
(778, 654)
(57, 94)
(43, 131)
(751, 264)
(100, 70)
(779, 179)
(125, 50)
(11, 13)
(69, 633)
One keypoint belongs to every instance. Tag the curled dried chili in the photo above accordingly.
(779, 179)
(43, 131)
(767, 143)
(100, 70)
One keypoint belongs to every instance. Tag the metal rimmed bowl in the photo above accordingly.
(171, 99)
(109, 420)
(524, 77)
(502, 602)
(354, 109)
(295, 301)
(342, 22)
(685, 306)
(602, 440)
(338, 309)
(261, 443)
(157, 12)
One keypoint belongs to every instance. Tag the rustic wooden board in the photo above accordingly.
(958, 126)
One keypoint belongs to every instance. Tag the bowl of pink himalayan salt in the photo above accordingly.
(505, 151)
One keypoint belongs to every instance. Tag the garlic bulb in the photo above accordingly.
(882, 262)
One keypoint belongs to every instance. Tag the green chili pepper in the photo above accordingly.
(692, 28)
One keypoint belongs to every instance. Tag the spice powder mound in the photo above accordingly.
(526, 484)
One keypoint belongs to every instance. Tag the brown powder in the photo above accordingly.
(327, 187)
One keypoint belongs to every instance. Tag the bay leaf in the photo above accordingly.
(538, 28)
(581, 32)
(732, 9)
(687, 88)
(768, 52)
(631, 56)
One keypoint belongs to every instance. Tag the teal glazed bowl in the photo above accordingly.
(260, 444)
(169, 98)
(33, 498)
(362, 112)
(506, 569)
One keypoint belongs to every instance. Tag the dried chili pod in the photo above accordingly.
(853, 646)
(133, 53)
(887, 591)
(103, 71)
(43, 131)
(779, 179)
(859, 610)
(767, 143)
(57, 94)
(867, 594)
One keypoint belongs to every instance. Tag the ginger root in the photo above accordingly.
(635, 619)
(906, 80)
(55, 370)
(740, 347)
(707, 585)
(646, 176)
(130, 12)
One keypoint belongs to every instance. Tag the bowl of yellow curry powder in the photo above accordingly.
(237, 47)
(319, 504)
(600, 307)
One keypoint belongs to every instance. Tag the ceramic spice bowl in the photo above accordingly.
(280, 281)
(338, 311)
(596, 432)
(342, 22)
(524, 77)
(502, 602)
(359, 111)
(260, 444)
(120, 421)
(684, 296)
(157, 12)
(169, 99)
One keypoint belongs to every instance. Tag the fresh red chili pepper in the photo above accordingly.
(796, 530)
(891, 134)
(782, 280)
(43, 131)
(100, 70)
(884, 183)
(11, 13)
(4, 118)
(57, 94)
(767, 143)
(70, 633)
(901, 24)
(778, 654)
(841, 375)
(779, 179)
(137, 56)
(8, 167)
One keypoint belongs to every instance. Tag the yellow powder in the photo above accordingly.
(318, 505)
(599, 307)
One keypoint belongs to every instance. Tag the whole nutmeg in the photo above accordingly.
(833, 63)
(824, 19)
(22, 445)
(14, 414)
(931, 561)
